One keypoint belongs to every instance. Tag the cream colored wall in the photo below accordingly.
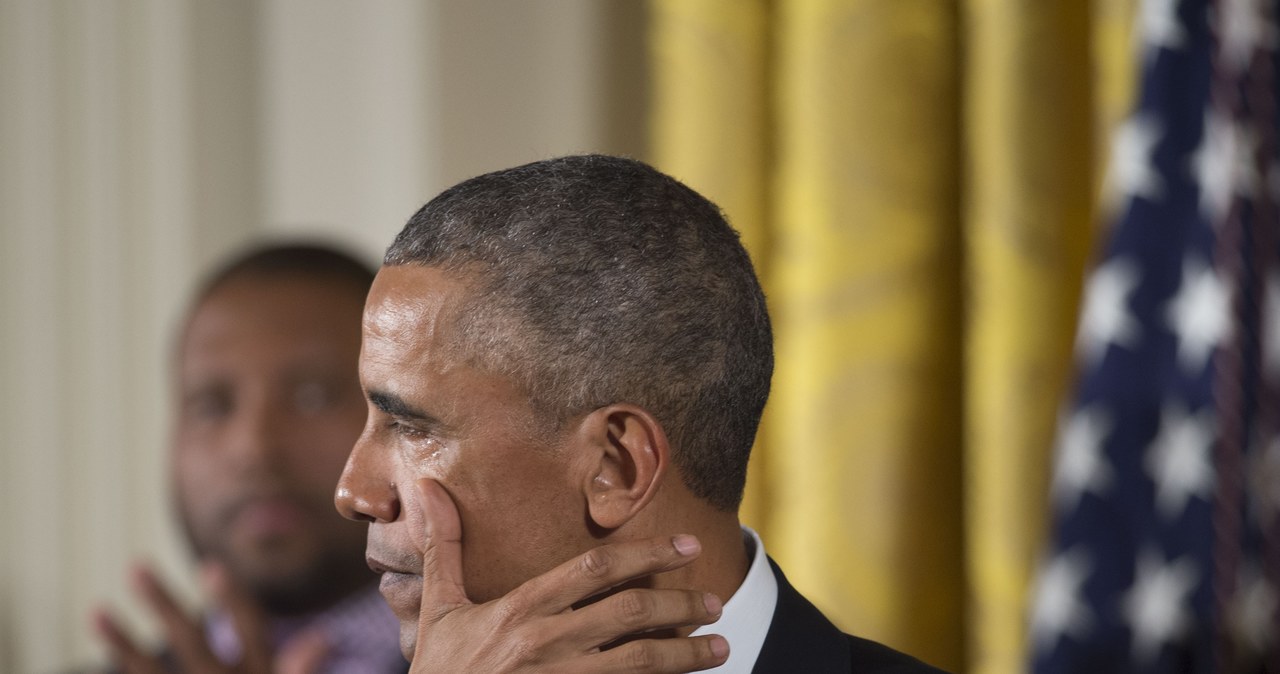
(141, 140)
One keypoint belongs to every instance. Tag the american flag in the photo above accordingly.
(1163, 551)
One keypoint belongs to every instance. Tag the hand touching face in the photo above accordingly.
(433, 415)
(565, 620)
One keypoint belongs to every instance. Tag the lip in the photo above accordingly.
(391, 580)
(380, 567)
(402, 592)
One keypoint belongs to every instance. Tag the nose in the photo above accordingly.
(365, 492)
(257, 435)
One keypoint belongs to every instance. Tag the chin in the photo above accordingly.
(282, 570)
(289, 583)
(408, 638)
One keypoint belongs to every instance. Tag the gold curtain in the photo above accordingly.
(916, 181)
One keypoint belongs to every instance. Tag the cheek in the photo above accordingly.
(516, 526)
(200, 489)
(201, 454)
(196, 475)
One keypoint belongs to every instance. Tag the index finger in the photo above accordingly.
(126, 655)
(443, 588)
(184, 636)
(601, 569)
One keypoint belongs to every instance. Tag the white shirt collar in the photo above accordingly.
(746, 617)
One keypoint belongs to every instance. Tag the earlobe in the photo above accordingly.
(629, 457)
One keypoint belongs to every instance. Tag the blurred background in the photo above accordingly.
(145, 140)
(919, 183)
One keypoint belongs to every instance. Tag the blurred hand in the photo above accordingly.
(185, 637)
(535, 628)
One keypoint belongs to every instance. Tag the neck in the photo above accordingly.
(722, 565)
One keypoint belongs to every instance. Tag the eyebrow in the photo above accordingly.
(394, 405)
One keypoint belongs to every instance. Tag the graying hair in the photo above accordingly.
(600, 280)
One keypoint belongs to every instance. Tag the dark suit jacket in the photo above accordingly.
(801, 639)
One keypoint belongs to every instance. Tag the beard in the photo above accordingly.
(302, 588)
(286, 575)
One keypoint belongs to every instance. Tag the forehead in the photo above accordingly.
(251, 320)
(414, 348)
(413, 305)
(408, 334)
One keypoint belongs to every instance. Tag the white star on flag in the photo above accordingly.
(1156, 606)
(1178, 460)
(1080, 465)
(1222, 165)
(1243, 29)
(1198, 315)
(1132, 171)
(1059, 607)
(1160, 26)
(1105, 318)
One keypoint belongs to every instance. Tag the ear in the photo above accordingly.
(629, 455)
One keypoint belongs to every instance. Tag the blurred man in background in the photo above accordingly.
(268, 407)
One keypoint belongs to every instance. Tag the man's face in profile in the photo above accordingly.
(434, 414)
(269, 408)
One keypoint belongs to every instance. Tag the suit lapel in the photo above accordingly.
(800, 638)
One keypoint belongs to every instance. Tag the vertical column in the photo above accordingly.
(33, 485)
(349, 113)
(125, 165)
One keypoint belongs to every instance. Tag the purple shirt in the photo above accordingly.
(362, 633)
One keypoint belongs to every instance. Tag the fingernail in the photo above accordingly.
(101, 620)
(719, 647)
(686, 545)
(712, 603)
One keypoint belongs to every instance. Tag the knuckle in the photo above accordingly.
(634, 609)
(595, 563)
(642, 656)
(506, 612)
(524, 649)
(660, 551)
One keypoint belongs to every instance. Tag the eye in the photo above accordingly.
(407, 430)
(208, 404)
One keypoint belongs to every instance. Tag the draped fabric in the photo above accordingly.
(917, 184)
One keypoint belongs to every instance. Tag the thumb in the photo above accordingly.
(443, 588)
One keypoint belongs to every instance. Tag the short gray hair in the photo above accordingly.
(600, 280)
